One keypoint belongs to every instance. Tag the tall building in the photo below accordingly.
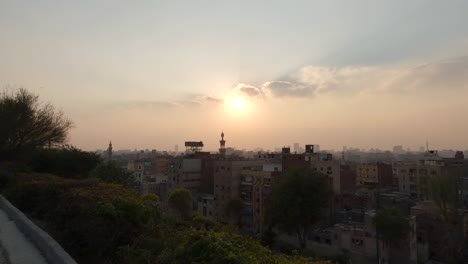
(255, 189)
(227, 183)
(185, 172)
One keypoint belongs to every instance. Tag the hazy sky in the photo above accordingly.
(152, 74)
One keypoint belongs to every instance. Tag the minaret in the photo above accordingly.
(109, 151)
(222, 145)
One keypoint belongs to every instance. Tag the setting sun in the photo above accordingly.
(238, 103)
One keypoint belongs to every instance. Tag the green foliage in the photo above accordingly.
(200, 222)
(109, 223)
(66, 161)
(297, 201)
(112, 173)
(97, 220)
(181, 201)
(445, 192)
(234, 207)
(391, 224)
(27, 124)
(209, 246)
(201, 246)
(268, 238)
(91, 220)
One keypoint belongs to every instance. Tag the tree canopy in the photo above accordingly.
(233, 209)
(181, 201)
(111, 172)
(391, 224)
(28, 124)
(445, 191)
(297, 201)
(65, 161)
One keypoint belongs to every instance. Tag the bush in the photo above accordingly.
(213, 247)
(90, 219)
(67, 161)
(100, 222)
(111, 172)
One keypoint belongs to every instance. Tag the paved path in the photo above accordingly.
(19, 250)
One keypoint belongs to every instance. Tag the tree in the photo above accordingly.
(66, 161)
(447, 195)
(181, 201)
(445, 192)
(297, 201)
(391, 225)
(111, 172)
(233, 209)
(27, 124)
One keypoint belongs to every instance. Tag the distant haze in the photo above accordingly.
(153, 74)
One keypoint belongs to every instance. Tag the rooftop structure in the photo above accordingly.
(194, 146)
(222, 145)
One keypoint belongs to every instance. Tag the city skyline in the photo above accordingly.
(153, 75)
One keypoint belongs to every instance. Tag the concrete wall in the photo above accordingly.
(49, 248)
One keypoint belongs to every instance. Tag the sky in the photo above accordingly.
(153, 74)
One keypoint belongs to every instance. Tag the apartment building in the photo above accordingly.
(227, 182)
(255, 189)
(375, 175)
(414, 175)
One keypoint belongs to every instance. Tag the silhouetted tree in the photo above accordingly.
(392, 226)
(446, 193)
(181, 201)
(233, 209)
(297, 201)
(27, 124)
(66, 161)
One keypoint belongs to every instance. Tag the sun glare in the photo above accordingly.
(238, 104)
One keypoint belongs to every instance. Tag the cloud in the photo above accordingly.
(212, 99)
(313, 81)
(198, 100)
(145, 104)
(287, 89)
(435, 76)
(248, 90)
(193, 101)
